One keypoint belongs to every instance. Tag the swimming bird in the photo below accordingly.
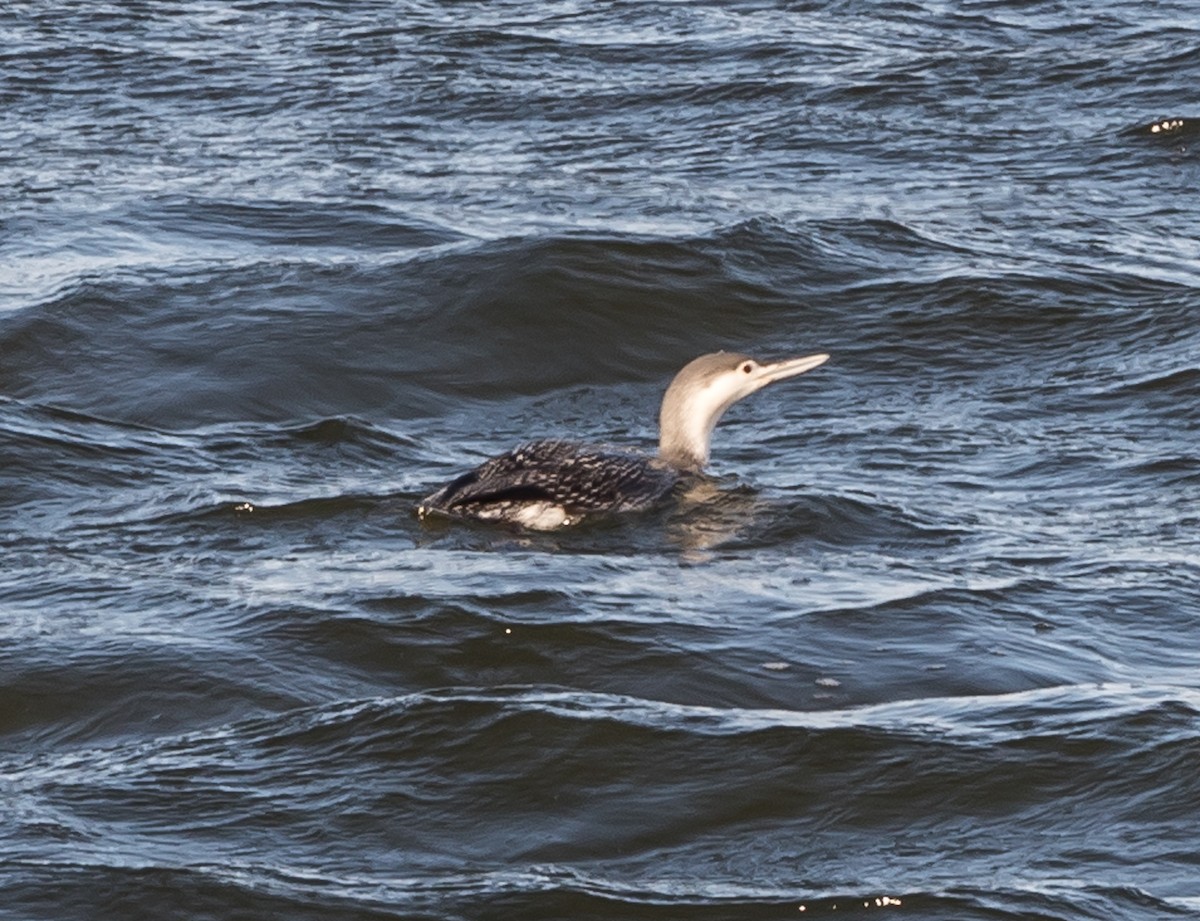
(551, 484)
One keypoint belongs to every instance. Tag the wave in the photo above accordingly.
(274, 225)
(440, 330)
(107, 474)
(461, 776)
(484, 732)
(68, 890)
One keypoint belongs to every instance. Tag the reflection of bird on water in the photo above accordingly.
(550, 484)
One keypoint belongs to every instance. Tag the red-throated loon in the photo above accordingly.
(551, 484)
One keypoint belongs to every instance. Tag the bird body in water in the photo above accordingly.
(551, 484)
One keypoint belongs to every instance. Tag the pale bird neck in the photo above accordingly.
(682, 443)
(689, 413)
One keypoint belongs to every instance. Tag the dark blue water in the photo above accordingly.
(270, 272)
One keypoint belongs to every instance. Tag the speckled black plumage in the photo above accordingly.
(581, 479)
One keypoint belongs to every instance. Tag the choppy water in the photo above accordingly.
(269, 272)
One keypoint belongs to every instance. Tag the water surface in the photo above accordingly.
(272, 272)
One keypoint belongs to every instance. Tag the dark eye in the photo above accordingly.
(748, 367)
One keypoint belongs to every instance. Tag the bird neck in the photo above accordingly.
(685, 432)
(684, 456)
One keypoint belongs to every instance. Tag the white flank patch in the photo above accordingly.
(541, 516)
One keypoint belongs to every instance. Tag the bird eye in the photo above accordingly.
(748, 367)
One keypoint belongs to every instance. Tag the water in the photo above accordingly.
(272, 272)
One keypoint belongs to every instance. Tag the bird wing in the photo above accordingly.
(577, 477)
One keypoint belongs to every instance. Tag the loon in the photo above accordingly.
(550, 484)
